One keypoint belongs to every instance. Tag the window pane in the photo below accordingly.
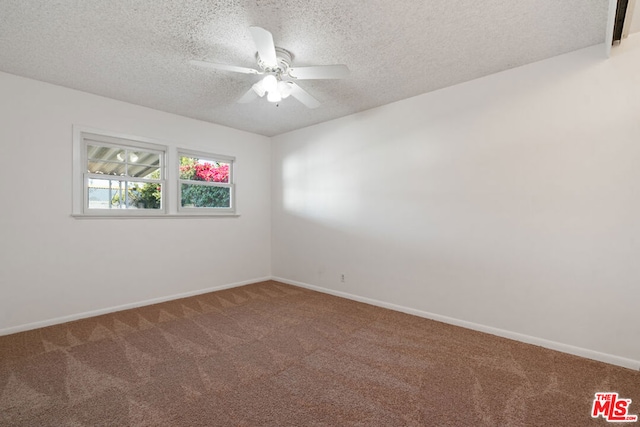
(107, 168)
(145, 196)
(101, 191)
(151, 172)
(205, 196)
(144, 158)
(121, 194)
(122, 161)
(195, 169)
(98, 152)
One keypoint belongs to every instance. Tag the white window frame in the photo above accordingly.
(184, 210)
(170, 182)
(83, 137)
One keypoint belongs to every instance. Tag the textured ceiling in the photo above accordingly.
(138, 50)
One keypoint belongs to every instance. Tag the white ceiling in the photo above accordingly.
(138, 50)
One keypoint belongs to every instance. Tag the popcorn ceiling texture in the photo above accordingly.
(138, 50)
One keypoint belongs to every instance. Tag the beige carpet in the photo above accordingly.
(270, 354)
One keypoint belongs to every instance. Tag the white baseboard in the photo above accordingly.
(553, 345)
(72, 317)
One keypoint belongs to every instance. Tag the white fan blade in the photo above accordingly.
(320, 72)
(264, 44)
(301, 95)
(224, 67)
(249, 96)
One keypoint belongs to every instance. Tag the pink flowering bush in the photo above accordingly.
(212, 173)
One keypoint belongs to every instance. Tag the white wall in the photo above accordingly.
(509, 203)
(53, 266)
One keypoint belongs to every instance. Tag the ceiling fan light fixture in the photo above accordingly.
(270, 83)
(285, 89)
(274, 96)
(258, 88)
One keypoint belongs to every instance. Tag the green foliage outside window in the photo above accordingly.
(145, 196)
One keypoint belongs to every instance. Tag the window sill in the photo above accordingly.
(165, 216)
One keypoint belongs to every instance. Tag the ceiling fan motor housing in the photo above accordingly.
(283, 57)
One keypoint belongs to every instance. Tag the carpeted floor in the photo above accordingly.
(270, 354)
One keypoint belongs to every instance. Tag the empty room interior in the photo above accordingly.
(276, 213)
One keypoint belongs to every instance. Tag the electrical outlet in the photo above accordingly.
(342, 278)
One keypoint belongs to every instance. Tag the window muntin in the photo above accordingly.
(205, 182)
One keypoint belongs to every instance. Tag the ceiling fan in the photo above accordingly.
(274, 63)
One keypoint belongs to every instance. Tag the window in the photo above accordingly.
(205, 182)
(124, 176)
(121, 174)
